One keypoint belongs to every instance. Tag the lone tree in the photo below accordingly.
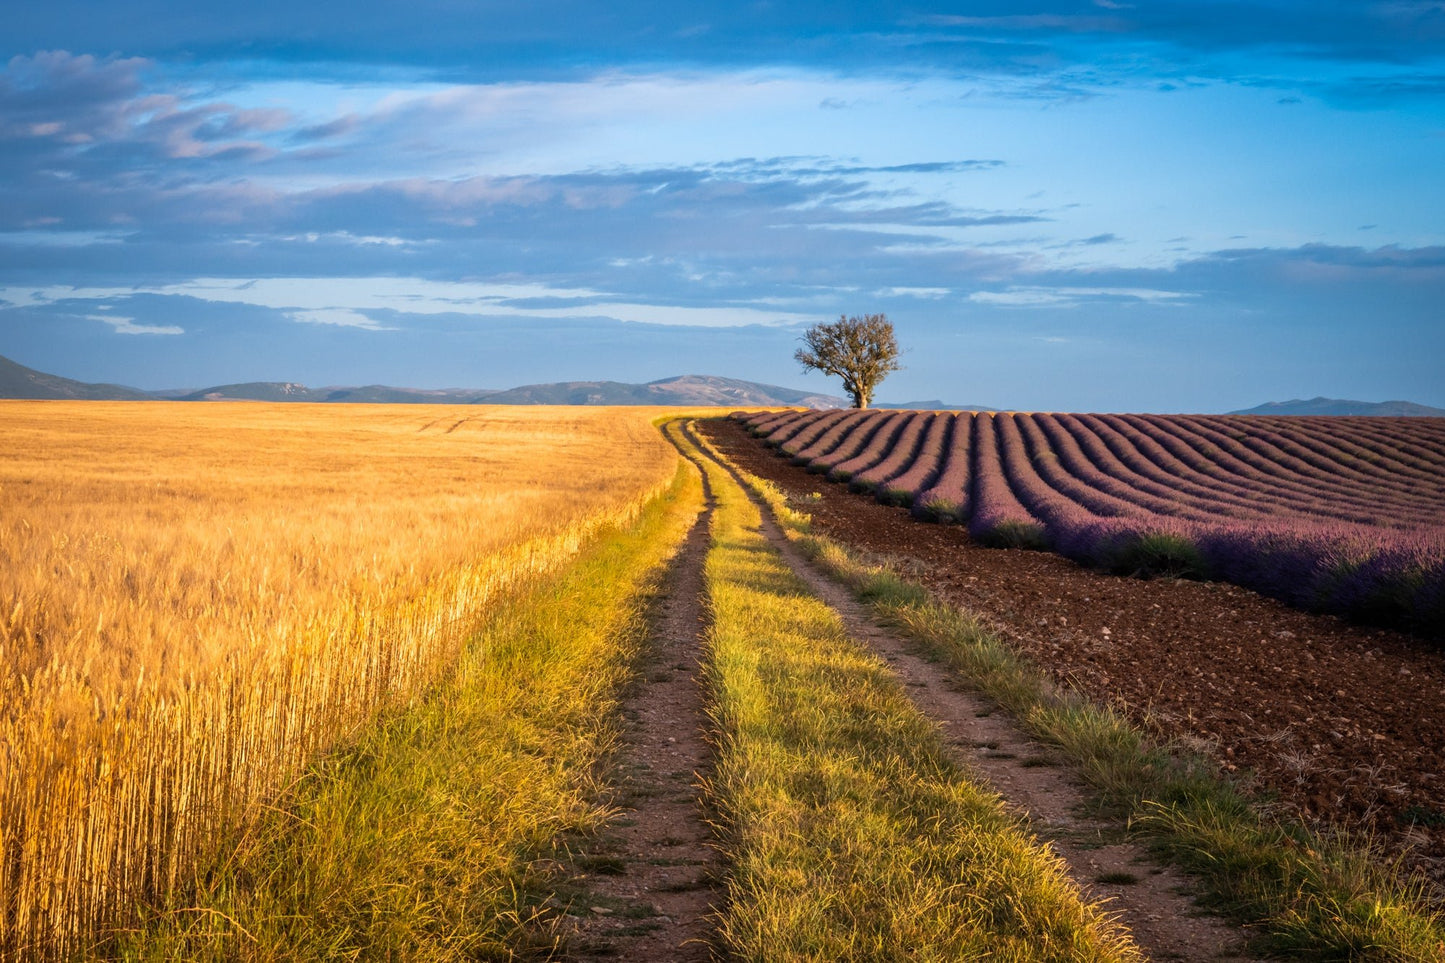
(861, 351)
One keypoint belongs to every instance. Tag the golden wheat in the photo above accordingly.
(196, 599)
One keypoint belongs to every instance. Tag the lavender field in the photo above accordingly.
(1341, 515)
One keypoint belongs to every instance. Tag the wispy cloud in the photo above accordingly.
(122, 325)
(78, 113)
(340, 317)
(825, 167)
(365, 302)
(1036, 22)
(1068, 297)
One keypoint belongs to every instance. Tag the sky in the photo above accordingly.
(1060, 204)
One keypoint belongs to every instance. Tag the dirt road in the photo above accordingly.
(648, 888)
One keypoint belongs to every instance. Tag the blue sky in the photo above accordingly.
(1092, 205)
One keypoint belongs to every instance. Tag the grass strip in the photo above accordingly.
(853, 835)
(1306, 896)
(427, 839)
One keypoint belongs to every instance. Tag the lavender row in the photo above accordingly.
(1342, 447)
(1250, 501)
(904, 486)
(944, 495)
(1199, 483)
(900, 454)
(1226, 459)
(1213, 466)
(1256, 445)
(1413, 446)
(1279, 447)
(1206, 479)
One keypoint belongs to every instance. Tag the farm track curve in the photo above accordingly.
(1344, 725)
(650, 884)
(1147, 898)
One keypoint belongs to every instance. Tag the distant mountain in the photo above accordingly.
(930, 405)
(289, 391)
(257, 391)
(18, 381)
(1336, 406)
(689, 390)
(383, 395)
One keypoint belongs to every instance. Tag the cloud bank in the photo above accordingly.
(1068, 204)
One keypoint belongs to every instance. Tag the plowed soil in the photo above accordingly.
(1343, 725)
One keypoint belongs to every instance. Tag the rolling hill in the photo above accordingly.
(696, 390)
(18, 381)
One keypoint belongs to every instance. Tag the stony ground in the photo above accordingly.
(1343, 724)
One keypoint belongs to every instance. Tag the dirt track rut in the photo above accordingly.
(649, 885)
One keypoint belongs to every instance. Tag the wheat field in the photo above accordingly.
(195, 600)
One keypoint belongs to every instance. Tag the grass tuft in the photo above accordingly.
(1118, 878)
(1015, 534)
(1156, 555)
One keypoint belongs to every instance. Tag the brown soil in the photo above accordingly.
(648, 887)
(1344, 725)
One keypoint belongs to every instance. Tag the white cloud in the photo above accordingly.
(311, 237)
(1026, 297)
(128, 325)
(57, 238)
(915, 292)
(341, 317)
(1068, 297)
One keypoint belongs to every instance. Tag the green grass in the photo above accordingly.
(1306, 897)
(1155, 555)
(427, 838)
(1117, 878)
(896, 497)
(852, 834)
(1016, 534)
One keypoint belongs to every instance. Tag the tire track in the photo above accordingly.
(652, 881)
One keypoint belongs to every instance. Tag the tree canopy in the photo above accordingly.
(860, 349)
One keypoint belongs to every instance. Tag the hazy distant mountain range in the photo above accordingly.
(1337, 406)
(290, 391)
(18, 381)
(685, 390)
